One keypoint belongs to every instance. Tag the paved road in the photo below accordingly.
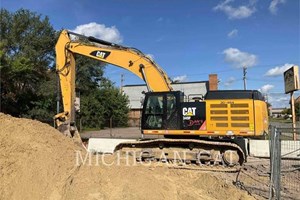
(135, 132)
(284, 125)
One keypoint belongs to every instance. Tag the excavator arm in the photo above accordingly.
(127, 58)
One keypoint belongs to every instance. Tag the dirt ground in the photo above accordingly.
(37, 162)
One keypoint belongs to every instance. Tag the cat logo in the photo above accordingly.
(189, 111)
(100, 54)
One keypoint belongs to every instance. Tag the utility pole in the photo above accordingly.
(244, 76)
(122, 81)
(293, 115)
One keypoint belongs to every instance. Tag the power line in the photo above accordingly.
(218, 72)
(263, 80)
(232, 69)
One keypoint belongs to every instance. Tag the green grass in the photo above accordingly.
(281, 120)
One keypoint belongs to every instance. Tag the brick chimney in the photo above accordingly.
(213, 82)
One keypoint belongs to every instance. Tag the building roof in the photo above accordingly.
(190, 89)
(178, 83)
(277, 110)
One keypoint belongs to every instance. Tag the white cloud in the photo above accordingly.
(278, 100)
(182, 78)
(232, 33)
(239, 59)
(266, 88)
(229, 81)
(273, 6)
(100, 31)
(279, 70)
(240, 12)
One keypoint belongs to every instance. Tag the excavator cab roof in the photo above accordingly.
(235, 94)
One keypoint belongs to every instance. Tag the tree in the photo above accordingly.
(288, 111)
(44, 107)
(297, 110)
(116, 105)
(269, 107)
(89, 74)
(26, 53)
(100, 99)
(92, 111)
(28, 84)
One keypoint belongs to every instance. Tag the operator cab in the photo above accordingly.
(168, 111)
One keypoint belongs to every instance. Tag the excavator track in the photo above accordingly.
(189, 154)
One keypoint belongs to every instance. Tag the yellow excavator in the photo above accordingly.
(209, 131)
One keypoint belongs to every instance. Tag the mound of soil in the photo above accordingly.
(35, 159)
(38, 162)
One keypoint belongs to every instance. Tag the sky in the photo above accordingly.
(193, 38)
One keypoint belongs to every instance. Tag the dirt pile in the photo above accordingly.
(35, 159)
(144, 183)
(37, 162)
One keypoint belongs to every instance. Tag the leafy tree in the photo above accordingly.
(44, 108)
(28, 78)
(92, 111)
(288, 111)
(89, 74)
(100, 99)
(26, 53)
(297, 107)
(116, 104)
(269, 107)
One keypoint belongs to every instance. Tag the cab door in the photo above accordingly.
(161, 111)
(153, 112)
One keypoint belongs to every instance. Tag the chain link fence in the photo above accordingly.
(284, 163)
